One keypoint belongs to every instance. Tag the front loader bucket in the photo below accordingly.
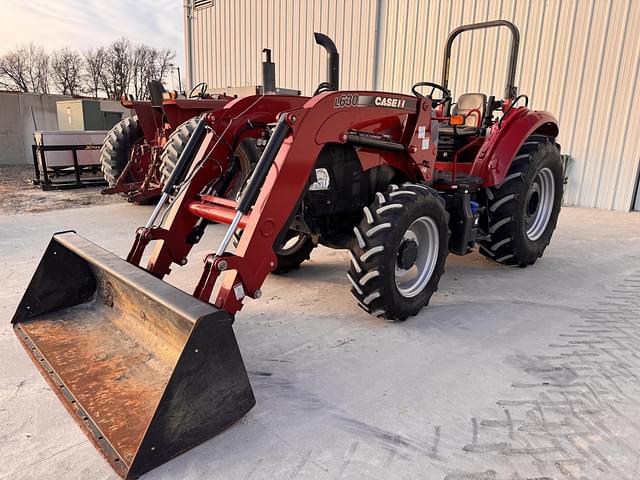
(147, 370)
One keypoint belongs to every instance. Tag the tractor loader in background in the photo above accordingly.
(131, 154)
(150, 371)
(139, 151)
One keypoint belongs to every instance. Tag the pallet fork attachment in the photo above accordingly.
(147, 370)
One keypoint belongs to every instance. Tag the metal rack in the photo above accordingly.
(64, 177)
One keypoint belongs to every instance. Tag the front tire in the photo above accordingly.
(174, 147)
(399, 251)
(522, 212)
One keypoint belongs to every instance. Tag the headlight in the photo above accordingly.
(323, 181)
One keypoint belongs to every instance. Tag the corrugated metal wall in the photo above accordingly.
(579, 59)
(229, 38)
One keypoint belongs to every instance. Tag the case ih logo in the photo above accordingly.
(389, 102)
(353, 100)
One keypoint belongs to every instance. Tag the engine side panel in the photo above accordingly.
(332, 213)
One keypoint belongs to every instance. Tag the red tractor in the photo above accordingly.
(139, 153)
(400, 181)
(132, 152)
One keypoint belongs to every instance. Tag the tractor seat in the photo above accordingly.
(156, 92)
(467, 102)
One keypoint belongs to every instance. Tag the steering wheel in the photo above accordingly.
(201, 87)
(446, 94)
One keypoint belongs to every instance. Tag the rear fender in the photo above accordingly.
(179, 110)
(149, 119)
(503, 142)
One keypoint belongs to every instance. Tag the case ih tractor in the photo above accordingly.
(400, 181)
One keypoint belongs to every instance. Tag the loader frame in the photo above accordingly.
(279, 180)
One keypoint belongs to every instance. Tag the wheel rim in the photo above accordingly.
(539, 204)
(411, 281)
(292, 244)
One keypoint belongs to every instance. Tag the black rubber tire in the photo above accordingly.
(174, 147)
(116, 148)
(176, 142)
(291, 260)
(377, 240)
(507, 204)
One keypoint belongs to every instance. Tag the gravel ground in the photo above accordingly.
(19, 195)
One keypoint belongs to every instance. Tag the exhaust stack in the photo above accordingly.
(268, 73)
(333, 64)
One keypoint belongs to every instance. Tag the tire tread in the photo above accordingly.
(367, 271)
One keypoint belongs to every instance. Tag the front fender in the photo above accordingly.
(503, 142)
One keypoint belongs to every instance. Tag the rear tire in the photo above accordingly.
(404, 230)
(116, 148)
(522, 212)
(246, 154)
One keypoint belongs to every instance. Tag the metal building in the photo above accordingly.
(579, 59)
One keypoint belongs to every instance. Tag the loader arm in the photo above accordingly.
(239, 119)
(329, 118)
(149, 118)
(179, 110)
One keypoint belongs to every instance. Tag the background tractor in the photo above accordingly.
(397, 180)
(139, 152)
(131, 154)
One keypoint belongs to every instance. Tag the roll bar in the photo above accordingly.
(510, 90)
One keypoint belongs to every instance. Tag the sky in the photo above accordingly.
(89, 23)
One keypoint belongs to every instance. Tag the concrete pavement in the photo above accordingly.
(509, 373)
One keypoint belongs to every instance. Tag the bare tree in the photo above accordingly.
(94, 60)
(66, 71)
(164, 62)
(114, 70)
(142, 60)
(149, 64)
(117, 69)
(25, 69)
(13, 72)
(38, 68)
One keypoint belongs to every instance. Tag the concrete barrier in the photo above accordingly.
(17, 122)
(17, 125)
